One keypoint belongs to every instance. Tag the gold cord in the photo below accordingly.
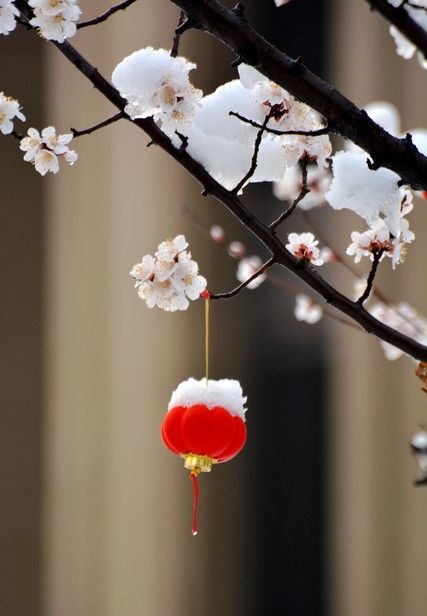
(207, 306)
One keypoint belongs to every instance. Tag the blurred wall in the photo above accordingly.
(377, 518)
(21, 256)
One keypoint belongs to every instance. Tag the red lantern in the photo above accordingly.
(205, 425)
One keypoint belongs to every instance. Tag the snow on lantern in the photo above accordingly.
(205, 425)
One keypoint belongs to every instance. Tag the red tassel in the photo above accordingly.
(193, 478)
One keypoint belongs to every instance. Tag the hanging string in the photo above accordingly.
(206, 295)
(193, 478)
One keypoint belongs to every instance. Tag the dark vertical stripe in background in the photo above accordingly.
(20, 338)
(289, 422)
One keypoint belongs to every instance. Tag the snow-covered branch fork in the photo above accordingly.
(230, 26)
(233, 30)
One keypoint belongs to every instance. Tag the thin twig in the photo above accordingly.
(254, 161)
(92, 129)
(290, 288)
(17, 135)
(349, 266)
(244, 284)
(304, 190)
(304, 133)
(184, 24)
(97, 20)
(370, 281)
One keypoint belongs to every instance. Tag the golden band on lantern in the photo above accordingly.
(197, 463)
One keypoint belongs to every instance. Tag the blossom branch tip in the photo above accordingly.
(243, 285)
(97, 20)
(92, 129)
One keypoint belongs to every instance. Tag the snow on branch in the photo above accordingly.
(342, 115)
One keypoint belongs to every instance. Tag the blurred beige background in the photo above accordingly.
(98, 521)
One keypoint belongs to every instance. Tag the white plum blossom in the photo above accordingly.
(44, 149)
(170, 248)
(367, 192)
(144, 270)
(404, 47)
(306, 309)
(281, 2)
(247, 267)
(378, 237)
(157, 85)
(9, 109)
(186, 279)
(402, 318)
(8, 15)
(289, 187)
(55, 19)
(288, 114)
(169, 279)
(367, 243)
(304, 246)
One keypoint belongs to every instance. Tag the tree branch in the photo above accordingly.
(92, 129)
(232, 202)
(377, 258)
(244, 284)
(352, 269)
(254, 161)
(305, 133)
(346, 119)
(97, 20)
(184, 24)
(304, 190)
(400, 18)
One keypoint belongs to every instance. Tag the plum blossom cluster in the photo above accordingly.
(44, 150)
(417, 10)
(8, 15)
(9, 110)
(378, 238)
(375, 195)
(402, 318)
(304, 246)
(169, 279)
(55, 19)
(157, 85)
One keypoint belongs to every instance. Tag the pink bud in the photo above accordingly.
(236, 250)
